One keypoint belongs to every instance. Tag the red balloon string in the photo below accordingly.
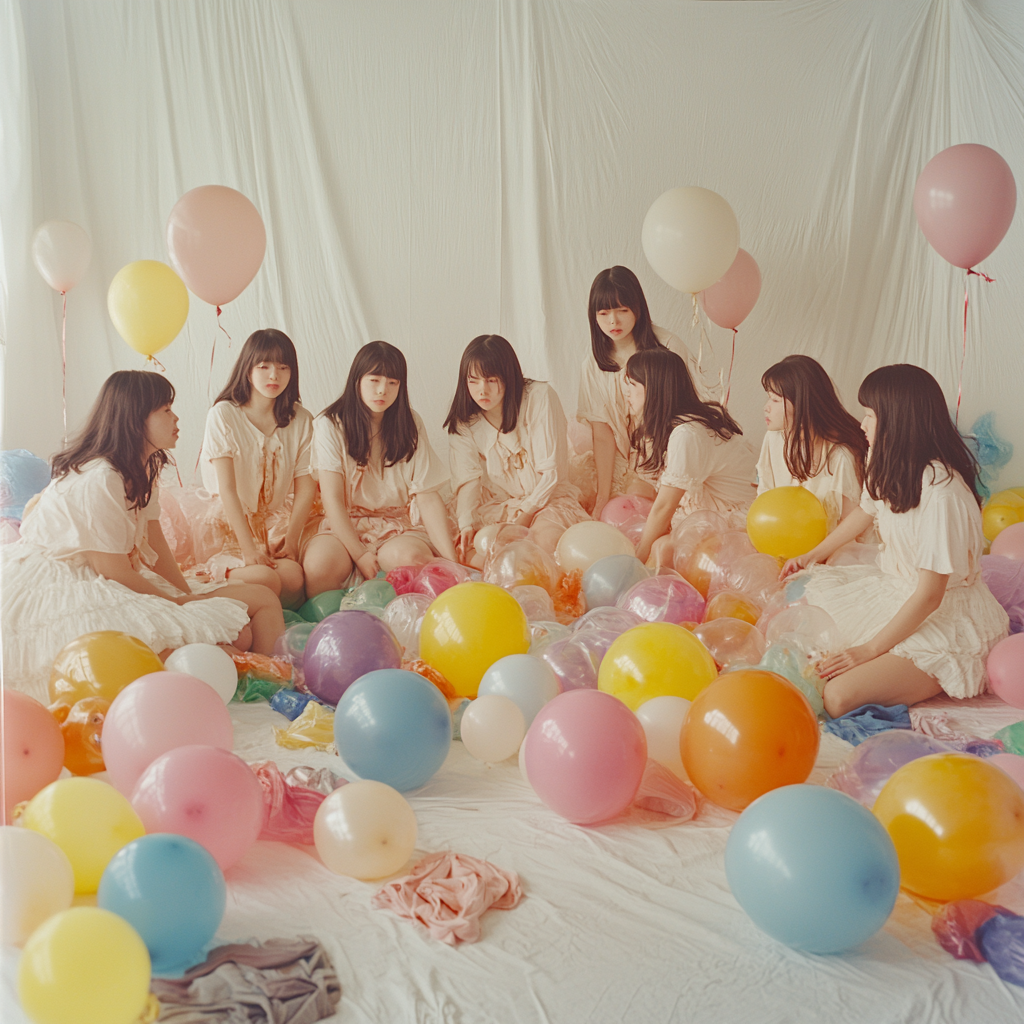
(963, 353)
(160, 366)
(732, 359)
(64, 362)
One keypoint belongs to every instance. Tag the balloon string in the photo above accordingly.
(64, 362)
(699, 322)
(963, 353)
(221, 326)
(160, 366)
(732, 359)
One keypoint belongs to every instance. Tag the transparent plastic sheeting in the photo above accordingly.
(431, 171)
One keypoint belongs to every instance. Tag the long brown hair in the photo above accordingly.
(266, 346)
(488, 355)
(398, 432)
(116, 431)
(913, 429)
(818, 417)
(614, 288)
(670, 399)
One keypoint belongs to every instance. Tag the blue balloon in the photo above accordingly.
(171, 891)
(393, 726)
(610, 577)
(22, 475)
(812, 868)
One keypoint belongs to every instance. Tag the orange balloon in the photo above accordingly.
(749, 732)
(730, 604)
(712, 555)
(100, 664)
(33, 750)
(82, 729)
(957, 823)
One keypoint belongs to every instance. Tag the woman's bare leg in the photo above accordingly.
(266, 620)
(326, 564)
(886, 680)
(403, 550)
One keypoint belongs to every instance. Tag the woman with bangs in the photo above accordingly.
(921, 621)
(812, 441)
(255, 460)
(380, 480)
(620, 325)
(694, 452)
(508, 449)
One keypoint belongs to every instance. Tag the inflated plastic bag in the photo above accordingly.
(818, 633)
(664, 599)
(789, 658)
(437, 576)
(522, 563)
(733, 643)
(405, 616)
(572, 662)
(536, 603)
(313, 728)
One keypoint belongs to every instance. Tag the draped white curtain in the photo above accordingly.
(430, 170)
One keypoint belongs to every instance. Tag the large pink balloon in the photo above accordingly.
(964, 200)
(205, 793)
(1006, 669)
(33, 749)
(586, 755)
(1010, 542)
(729, 301)
(157, 713)
(217, 241)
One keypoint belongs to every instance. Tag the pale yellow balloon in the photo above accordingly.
(148, 303)
(365, 830)
(586, 543)
(492, 728)
(36, 881)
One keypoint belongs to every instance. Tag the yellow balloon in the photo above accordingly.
(1019, 491)
(467, 629)
(84, 966)
(998, 516)
(957, 823)
(100, 664)
(148, 303)
(1012, 496)
(786, 522)
(656, 659)
(89, 820)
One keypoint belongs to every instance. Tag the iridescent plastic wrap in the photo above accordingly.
(664, 599)
(437, 576)
(733, 643)
(405, 616)
(522, 563)
(572, 662)
(536, 603)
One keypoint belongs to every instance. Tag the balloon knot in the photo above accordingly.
(978, 273)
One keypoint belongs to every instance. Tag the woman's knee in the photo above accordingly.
(403, 551)
(258, 575)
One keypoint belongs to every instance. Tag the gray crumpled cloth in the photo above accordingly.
(280, 981)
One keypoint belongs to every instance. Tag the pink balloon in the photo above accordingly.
(1012, 764)
(664, 599)
(964, 200)
(586, 755)
(205, 793)
(1006, 670)
(1009, 542)
(217, 241)
(729, 301)
(157, 713)
(623, 510)
(33, 749)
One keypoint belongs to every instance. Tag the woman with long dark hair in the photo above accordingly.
(921, 621)
(694, 452)
(92, 554)
(379, 478)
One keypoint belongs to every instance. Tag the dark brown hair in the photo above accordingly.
(488, 355)
(670, 399)
(818, 416)
(614, 288)
(265, 346)
(913, 429)
(116, 431)
(398, 432)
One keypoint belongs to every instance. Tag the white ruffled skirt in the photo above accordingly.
(46, 603)
(952, 644)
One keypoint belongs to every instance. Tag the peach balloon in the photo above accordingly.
(728, 302)
(732, 642)
(33, 749)
(732, 605)
(1010, 542)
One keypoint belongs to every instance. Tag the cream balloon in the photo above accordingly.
(662, 719)
(365, 830)
(522, 762)
(61, 252)
(208, 663)
(583, 544)
(36, 880)
(492, 727)
(690, 237)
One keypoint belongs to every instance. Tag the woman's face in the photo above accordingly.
(162, 428)
(778, 412)
(378, 392)
(617, 323)
(270, 378)
(869, 425)
(635, 393)
(487, 392)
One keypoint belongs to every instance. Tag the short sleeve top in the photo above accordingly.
(264, 466)
(943, 534)
(372, 489)
(88, 511)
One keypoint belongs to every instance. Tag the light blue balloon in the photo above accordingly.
(528, 681)
(610, 577)
(171, 891)
(393, 726)
(812, 868)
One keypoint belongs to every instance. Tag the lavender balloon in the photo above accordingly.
(344, 647)
(664, 599)
(572, 663)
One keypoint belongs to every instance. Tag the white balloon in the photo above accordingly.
(492, 728)
(585, 543)
(526, 679)
(690, 236)
(522, 760)
(61, 252)
(662, 719)
(36, 880)
(209, 663)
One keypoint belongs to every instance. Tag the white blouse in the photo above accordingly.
(530, 463)
(373, 489)
(263, 465)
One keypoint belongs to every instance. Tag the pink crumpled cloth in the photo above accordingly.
(448, 893)
(290, 806)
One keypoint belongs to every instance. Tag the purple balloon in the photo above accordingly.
(664, 599)
(343, 648)
(875, 761)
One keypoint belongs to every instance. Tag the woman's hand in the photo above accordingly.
(599, 506)
(836, 664)
(795, 565)
(464, 545)
(290, 549)
(258, 557)
(366, 563)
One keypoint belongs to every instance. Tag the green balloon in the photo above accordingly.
(319, 607)
(369, 595)
(291, 617)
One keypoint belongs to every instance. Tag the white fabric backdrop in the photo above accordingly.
(433, 170)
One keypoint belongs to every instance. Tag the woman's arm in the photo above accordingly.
(165, 566)
(435, 519)
(659, 519)
(604, 463)
(228, 489)
(926, 598)
(332, 490)
(849, 529)
(119, 569)
(302, 503)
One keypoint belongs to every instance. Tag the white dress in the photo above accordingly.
(495, 475)
(51, 596)
(836, 480)
(943, 534)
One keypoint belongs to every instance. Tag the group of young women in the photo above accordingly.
(305, 504)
